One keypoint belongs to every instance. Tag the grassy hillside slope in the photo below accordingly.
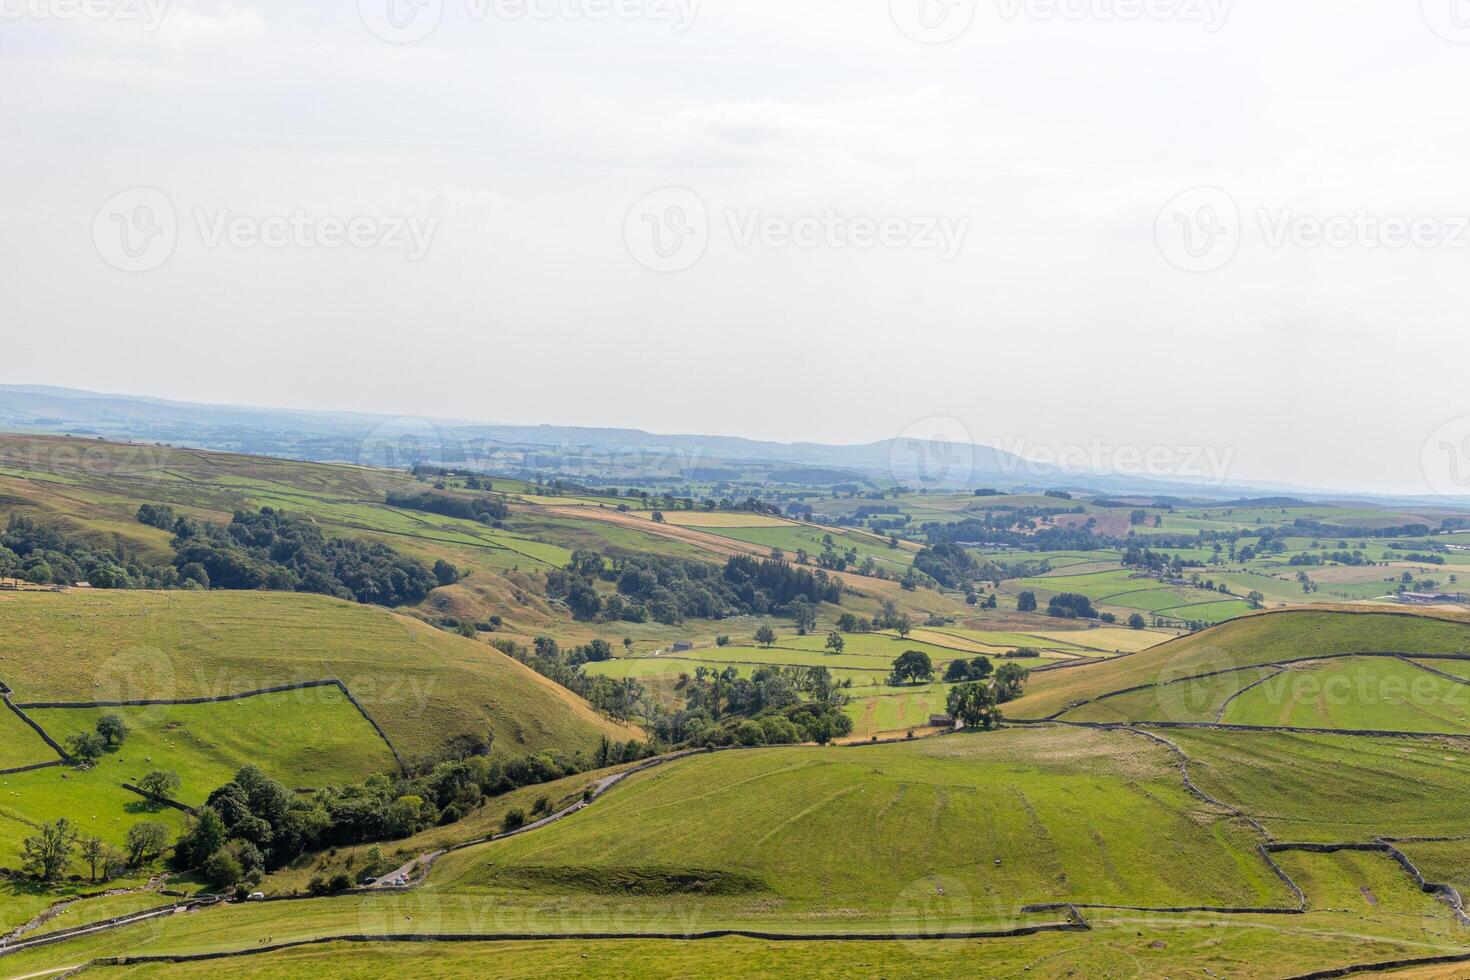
(1247, 642)
(972, 826)
(422, 685)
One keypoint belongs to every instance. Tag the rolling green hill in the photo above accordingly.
(1252, 641)
(423, 686)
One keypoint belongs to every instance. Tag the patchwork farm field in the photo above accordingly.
(866, 662)
(1123, 590)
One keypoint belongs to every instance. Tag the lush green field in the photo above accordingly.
(1122, 590)
(906, 838)
(1251, 641)
(1359, 694)
(1455, 668)
(892, 710)
(93, 801)
(19, 744)
(1352, 694)
(806, 835)
(866, 662)
(1249, 947)
(422, 685)
(791, 537)
(304, 739)
(1335, 787)
(1197, 699)
(1445, 862)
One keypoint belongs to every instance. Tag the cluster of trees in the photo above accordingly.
(46, 556)
(1070, 605)
(486, 509)
(1353, 558)
(720, 693)
(270, 549)
(950, 565)
(668, 590)
(622, 698)
(962, 671)
(976, 702)
(889, 619)
(1157, 562)
(50, 854)
(775, 706)
(110, 733)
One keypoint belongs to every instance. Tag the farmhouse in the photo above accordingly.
(682, 646)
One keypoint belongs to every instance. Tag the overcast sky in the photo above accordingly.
(1064, 226)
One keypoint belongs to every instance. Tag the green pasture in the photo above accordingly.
(895, 709)
(1249, 947)
(1195, 699)
(1444, 861)
(1457, 668)
(858, 834)
(799, 536)
(19, 744)
(424, 686)
(1356, 694)
(304, 739)
(1247, 642)
(94, 802)
(1334, 788)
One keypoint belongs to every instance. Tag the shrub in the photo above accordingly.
(222, 870)
(515, 819)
